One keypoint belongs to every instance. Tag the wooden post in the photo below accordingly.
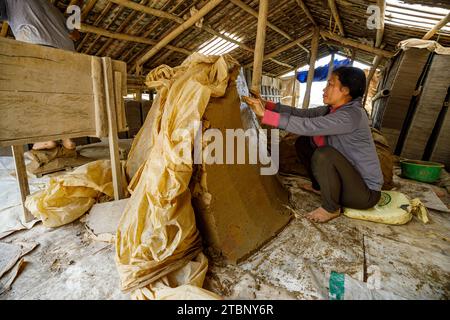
(437, 27)
(380, 31)
(375, 64)
(379, 38)
(22, 179)
(352, 57)
(330, 66)
(112, 126)
(294, 95)
(4, 30)
(139, 91)
(259, 47)
(312, 64)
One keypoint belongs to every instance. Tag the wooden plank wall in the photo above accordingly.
(428, 108)
(402, 86)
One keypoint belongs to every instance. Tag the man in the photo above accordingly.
(336, 144)
(39, 22)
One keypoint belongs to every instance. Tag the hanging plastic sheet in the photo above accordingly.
(320, 73)
(157, 234)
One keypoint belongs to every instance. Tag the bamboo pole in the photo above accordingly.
(380, 31)
(312, 64)
(121, 36)
(352, 57)
(337, 18)
(259, 47)
(355, 44)
(306, 11)
(437, 27)
(294, 92)
(378, 40)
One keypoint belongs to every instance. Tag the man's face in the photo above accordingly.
(334, 93)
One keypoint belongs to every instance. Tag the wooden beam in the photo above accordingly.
(254, 13)
(162, 14)
(355, 44)
(306, 11)
(154, 12)
(312, 64)
(87, 9)
(125, 37)
(96, 23)
(122, 26)
(282, 63)
(259, 46)
(437, 27)
(284, 48)
(4, 31)
(22, 179)
(180, 29)
(337, 18)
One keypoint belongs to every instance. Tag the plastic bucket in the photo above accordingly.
(423, 171)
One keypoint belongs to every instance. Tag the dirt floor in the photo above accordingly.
(411, 261)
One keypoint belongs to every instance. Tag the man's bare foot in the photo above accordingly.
(44, 145)
(322, 215)
(309, 187)
(69, 144)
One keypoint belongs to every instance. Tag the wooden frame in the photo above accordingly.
(51, 94)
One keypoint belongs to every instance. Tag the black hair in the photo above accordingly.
(353, 78)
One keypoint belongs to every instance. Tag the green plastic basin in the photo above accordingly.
(423, 171)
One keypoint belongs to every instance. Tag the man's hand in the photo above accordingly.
(256, 105)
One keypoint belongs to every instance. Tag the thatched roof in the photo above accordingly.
(227, 16)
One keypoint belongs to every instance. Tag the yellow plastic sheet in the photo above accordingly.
(157, 238)
(68, 197)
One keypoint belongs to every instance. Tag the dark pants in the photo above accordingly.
(340, 184)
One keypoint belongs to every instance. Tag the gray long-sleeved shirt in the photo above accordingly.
(36, 21)
(347, 130)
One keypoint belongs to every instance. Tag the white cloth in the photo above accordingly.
(38, 22)
(431, 45)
